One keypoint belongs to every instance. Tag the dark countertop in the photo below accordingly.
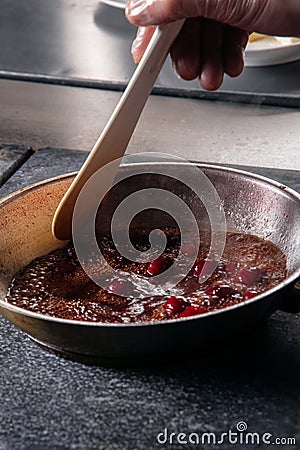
(49, 403)
(40, 115)
(11, 158)
(87, 43)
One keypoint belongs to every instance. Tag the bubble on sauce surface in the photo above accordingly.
(72, 295)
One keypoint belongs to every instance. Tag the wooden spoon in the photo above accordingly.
(115, 137)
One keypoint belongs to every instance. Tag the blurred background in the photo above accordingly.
(64, 63)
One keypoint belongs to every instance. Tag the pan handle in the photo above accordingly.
(291, 300)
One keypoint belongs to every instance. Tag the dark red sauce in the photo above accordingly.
(56, 285)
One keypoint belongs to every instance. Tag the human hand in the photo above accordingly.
(215, 34)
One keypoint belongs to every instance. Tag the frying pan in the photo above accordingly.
(252, 204)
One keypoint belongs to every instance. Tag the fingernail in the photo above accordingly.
(175, 68)
(135, 47)
(138, 9)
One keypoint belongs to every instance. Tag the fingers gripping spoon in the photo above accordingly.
(115, 137)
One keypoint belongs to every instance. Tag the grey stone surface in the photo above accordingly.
(11, 157)
(44, 164)
(50, 403)
(41, 115)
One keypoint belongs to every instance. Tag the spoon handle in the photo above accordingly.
(116, 135)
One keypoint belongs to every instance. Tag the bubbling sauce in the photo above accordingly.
(57, 286)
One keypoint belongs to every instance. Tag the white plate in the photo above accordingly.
(115, 3)
(268, 52)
